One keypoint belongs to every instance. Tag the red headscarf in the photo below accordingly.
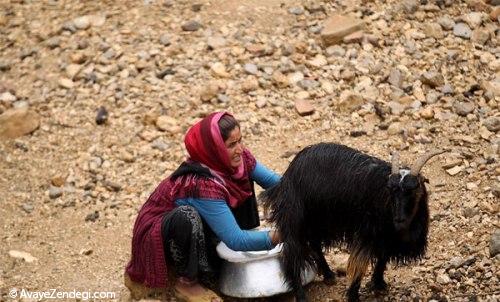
(205, 145)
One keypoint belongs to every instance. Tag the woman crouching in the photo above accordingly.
(208, 199)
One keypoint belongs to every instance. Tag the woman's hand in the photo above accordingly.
(275, 237)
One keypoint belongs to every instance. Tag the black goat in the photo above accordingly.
(332, 194)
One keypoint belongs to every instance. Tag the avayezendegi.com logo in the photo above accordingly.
(57, 294)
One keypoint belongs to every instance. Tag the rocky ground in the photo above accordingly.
(95, 97)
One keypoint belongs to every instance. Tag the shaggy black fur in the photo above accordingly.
(333, 195)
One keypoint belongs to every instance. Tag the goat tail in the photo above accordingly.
(287, 213)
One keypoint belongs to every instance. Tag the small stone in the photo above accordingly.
(395, 128)
(250, 84)
(427, 113)
(196, 7)
(82, 22)
(337, 27)
(58, 181)
(251, 68)
(347, 74)
(287, 49)
(495, 243)
(53, 42)
(396, 78)
(396, 107)
(447, 89)
(112, 186)
(474, 19)
(446, 22)
(7, 97)
(480, 36)
(433, 30)
(78, 58)
(55, 192)
(66, 83)
(336, 51)
(462, 30)
(455, 170)
(456, 262)
(28, 208)
(92, 216)
(22, 255)
(127, 156)
(350, 101)
(86, 251)
(166, 71)
(101, 116)
(485, 133)
(72, 70)
(5, 65)
(433, 79)
(327, 87)
(18, 122)
(410, 6)
(492, 123)
(261, 103)
(159, 145)
(169, 124)
(165, 40)
(495, 14)
(191, 26)
(209, 92)
(307, 84)
(216, 42)
(218, 69)
(355, 37)
(97, 20)
(296, 11)
(463, 108)
(318, 62)
(491, 87)
(295, 77)
(280, 80)
(304, 107)
(443, 279)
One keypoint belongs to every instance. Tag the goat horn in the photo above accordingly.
(420, 162)
(395, 163)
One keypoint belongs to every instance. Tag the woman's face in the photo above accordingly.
(234, 147)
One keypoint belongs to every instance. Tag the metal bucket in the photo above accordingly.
(254, 274)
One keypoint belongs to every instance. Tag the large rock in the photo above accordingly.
(18, 122)
(337, 27)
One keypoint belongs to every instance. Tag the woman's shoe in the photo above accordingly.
(138, 291)
(194, 292)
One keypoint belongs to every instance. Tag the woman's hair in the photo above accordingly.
(226, 124)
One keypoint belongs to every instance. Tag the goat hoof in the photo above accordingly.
(353, 298)
(379, 287)
(329, 280)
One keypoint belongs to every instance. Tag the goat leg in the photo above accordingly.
(353, 290)
(377, 283)
(323, 267)
(356, 268)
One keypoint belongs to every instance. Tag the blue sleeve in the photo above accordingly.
(221, 220)
(264, 177)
